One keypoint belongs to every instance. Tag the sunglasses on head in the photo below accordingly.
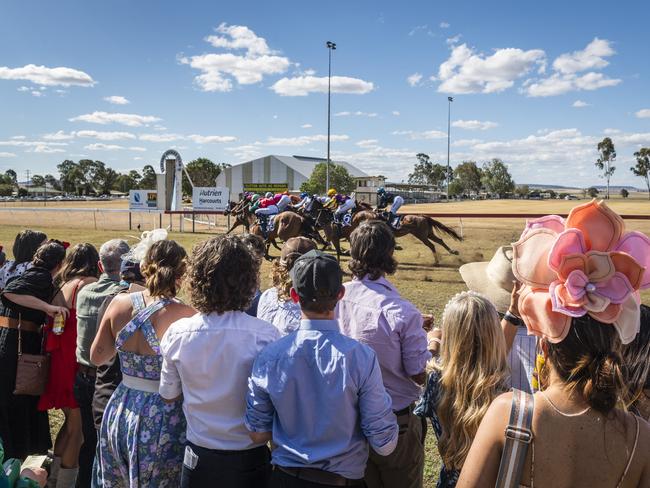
(65, 244)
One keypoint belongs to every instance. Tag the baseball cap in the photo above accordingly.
(131, 269)
(294, 248)
(316, 276)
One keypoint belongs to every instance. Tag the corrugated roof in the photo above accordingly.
(305, 165)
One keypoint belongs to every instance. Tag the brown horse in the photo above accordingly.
(421, 227)
(286, 225)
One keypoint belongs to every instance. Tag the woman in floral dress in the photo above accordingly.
(142, 438)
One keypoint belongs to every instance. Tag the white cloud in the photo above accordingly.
(117, 100)
(210, 139)
(245, 152)
(444, 25)
(367, 142)
(137, 158)
(88, 134)
(396, 113)
(566, 68)
(304, 85)
(42, 75)
(306, 126)
(58, 136)
(23, 89)
(18, 138)
(414, 79)
(34, 146)
(160, 137)
(131, 120)
(423, 28)
(469, 72)
(451, 41)
(591, 57)
(138, 148)
(474, 124)
(427, 134)
(46, 149)
(580, 104)
(644, 113)
(99, 146)
(355, 114)
(301, 140)
(37, 93)
(4, 154)
(219, 69)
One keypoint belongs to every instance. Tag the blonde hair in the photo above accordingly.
(281, 279)
(473, 371)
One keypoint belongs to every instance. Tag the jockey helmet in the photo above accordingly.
(255, 197)
(269, 194)
(304, 194)
(331, 192)
(381, 190)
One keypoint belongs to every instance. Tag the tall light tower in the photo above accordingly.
(449, 100)
(331, 46)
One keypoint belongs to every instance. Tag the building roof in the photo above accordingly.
(305, 165)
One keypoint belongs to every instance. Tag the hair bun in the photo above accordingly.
(603, 380)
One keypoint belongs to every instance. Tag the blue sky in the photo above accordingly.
(537, 86)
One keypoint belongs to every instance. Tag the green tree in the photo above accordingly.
(625, 193)
(135, 176)
(592, 191)
(496, 178)
(6, 189)
(456, 188)
(12, 177)
(469, 177)
(71, 176)
(203, 172)
(22, 192)
(340, 179)
(148, 181)
(52, 182)
(607, 155)
(522, 191)
(106, 180)
(642, 167)
(425, 172)
(38, 180)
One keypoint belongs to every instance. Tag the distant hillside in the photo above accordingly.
(539, 186)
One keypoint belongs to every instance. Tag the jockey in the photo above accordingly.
(283, 200)
(253, 199)
(343, 203)
(383, 199)
(305, 203)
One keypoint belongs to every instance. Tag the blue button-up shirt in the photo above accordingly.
(322, 396)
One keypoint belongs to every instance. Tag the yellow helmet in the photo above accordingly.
(331, 192)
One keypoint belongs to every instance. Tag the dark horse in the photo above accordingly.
(420, 226)
(287, 224)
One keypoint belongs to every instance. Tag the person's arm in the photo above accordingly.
(510, 328)
(413, 339)
(434, 341)
(171, 389)
(378, 422)
(103, 347)
(259, 407)
(29, 301)
(481, 466)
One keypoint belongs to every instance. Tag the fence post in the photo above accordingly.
(461, 228)
(193, 220)
(130, 224)
(160, 220)
(95, 218)
(171, 222)
(228, 222)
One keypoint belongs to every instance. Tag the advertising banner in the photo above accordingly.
(264, 187)
(210, 198)
(143, 200)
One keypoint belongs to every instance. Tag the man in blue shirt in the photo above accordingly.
(318, 394)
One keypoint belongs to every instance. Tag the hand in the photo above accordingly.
(434, 339)
(427, 321)
(36, 474)
(52, 310)
(514, 299)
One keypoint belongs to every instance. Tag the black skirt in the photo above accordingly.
(23, 429)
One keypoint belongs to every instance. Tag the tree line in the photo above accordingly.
(88, 177)
(607, 156)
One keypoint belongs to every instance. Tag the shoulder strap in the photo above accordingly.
(140, 321)
(519, 435)
(137, 302)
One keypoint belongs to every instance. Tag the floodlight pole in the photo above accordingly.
(331, 46)
(449, 100)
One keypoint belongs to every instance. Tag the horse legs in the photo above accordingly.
(430, 245)
(438, 240)
(267, 256)
(275, 245)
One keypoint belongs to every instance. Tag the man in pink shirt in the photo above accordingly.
(373, 312)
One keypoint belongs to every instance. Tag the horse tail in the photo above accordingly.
(443, 228)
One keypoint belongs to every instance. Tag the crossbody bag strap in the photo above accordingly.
(20, 336)
(518, 435)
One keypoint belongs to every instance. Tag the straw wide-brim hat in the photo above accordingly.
(493, 278)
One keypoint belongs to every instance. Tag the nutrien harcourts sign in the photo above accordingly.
(210, 198)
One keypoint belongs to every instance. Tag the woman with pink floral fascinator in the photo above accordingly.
(580, 294)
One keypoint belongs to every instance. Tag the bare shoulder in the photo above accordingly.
(121, 303)
(180, 309)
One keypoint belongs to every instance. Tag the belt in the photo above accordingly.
(142, 384)
(319, 476)
(404, 411)
(87, 370)
(26, 325)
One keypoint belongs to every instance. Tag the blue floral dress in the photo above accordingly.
(142, 438)
(427, 408)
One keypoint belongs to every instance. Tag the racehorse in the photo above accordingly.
(285, 226)
(240, 211)
(421, 227)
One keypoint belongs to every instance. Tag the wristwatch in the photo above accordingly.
(513, 319)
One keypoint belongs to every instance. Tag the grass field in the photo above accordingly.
(427, 286)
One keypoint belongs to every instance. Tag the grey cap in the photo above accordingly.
(316, 276)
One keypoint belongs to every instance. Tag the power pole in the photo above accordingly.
(331, 46)
(449, 100)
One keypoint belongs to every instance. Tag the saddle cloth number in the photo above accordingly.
(347, 219)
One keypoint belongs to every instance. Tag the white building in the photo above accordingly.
(279, 172)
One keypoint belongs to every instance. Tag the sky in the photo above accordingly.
(537, 84)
